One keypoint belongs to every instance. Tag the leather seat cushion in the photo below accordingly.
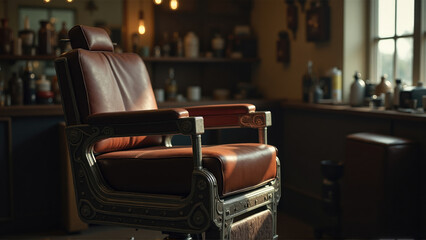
(161, 170)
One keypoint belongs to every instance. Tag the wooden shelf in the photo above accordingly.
(199, 60)
(27, 57)
(31, 110)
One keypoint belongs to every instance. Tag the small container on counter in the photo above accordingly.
(16, 90)
(357, 93)
(44, 93)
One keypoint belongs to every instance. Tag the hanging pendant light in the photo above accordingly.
(141, 27)
(174, 4)
(158, 2)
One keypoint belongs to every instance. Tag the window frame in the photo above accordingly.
(419, 42)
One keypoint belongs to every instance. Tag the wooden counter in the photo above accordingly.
(315, 132)
(358, 111)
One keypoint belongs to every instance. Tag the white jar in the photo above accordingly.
(43, 85)
(191, 45)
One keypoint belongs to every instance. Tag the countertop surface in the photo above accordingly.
(401, 114)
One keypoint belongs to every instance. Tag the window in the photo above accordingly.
(397, 40)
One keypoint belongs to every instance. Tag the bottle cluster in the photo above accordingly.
(25, 88)
(46, 41)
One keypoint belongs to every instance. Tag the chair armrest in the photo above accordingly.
(223, 109)
(145, 116)
(230, 115)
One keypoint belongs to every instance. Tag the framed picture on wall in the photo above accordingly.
(318, 23)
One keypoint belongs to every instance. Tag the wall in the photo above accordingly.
(277, 80)
(2, 8)
(355, 42)
(130, 21)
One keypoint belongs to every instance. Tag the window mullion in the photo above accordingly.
(373, 39)
(395, 53)
(417, 42)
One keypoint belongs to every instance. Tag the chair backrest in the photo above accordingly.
(94, 79)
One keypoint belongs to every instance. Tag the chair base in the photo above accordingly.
(257, 226)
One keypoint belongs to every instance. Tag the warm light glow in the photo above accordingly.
(141, 28)
(69, 1)
(46, 1)
(173, 4)
(158, 2)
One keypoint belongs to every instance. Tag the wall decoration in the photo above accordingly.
(283, 47)
(318, 22)
(302, 5)
(292, 18)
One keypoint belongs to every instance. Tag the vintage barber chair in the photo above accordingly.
(126, 172)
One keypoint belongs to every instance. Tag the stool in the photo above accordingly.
(379, 188)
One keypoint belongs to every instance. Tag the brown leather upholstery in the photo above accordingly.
(108, 82)
(90, 38)
(236, 167)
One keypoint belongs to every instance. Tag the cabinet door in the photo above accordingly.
(5, 170)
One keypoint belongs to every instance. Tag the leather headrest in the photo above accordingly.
(90, 38)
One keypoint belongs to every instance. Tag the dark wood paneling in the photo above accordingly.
(6, 193)
(35, 174)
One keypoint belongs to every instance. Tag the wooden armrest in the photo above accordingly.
(144, 116)
(231, 115)
(224, 109)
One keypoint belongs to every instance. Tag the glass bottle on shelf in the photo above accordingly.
(191, 45)
(64, 45)
(171, 86)
(396, 92)
(44, 39)
(336, 86)
(2, 88)
(218, 45)
(307, 82)
(53, 35)
(315, 92)
(176, 46)
(16, 89)
(6, 37)
(44, 93)
(165, 45)
(28, 77)
(28, 37)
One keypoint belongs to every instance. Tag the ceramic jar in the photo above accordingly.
(191, 44)
(357, 92)
(218, 45)
(383, 87)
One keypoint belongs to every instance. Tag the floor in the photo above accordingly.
(288, 228)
